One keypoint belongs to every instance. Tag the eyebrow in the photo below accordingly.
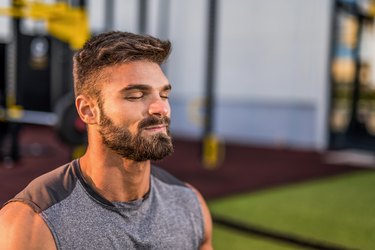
(144, 87)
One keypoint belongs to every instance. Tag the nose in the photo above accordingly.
(159, 107)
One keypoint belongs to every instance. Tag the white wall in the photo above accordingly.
(276, 52)
(272, 70)
(271, 49)
(125, 15)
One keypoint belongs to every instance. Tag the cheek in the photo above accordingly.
(127, 113)
(130, 120)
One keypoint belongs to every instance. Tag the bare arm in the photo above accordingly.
(22, 228)
(207, 241)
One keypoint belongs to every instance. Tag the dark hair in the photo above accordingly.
(112, 48)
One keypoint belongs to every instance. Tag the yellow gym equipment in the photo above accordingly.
(67, 23)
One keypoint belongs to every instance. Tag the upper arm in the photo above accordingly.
(207, 240)
(22, 228)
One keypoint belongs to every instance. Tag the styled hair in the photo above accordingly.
(113, 48)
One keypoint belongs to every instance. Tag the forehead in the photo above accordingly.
(138, 72)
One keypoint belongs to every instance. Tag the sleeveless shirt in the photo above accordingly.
(168, 217)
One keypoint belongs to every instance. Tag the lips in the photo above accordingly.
(154, 122)
(156, 127)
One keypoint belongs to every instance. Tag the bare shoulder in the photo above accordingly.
(22, 228)
(207, 241)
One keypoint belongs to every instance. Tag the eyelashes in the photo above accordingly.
(140, 96)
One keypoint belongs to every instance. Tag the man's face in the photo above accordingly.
(134, 111)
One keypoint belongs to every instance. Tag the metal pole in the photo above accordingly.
(109, 15)
(142, 16)
(212, 152)
(12, 48)
(210, 70)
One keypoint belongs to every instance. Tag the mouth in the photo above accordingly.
(157, 128)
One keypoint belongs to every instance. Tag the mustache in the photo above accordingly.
(153, 121)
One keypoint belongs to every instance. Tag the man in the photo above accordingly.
(112, 198)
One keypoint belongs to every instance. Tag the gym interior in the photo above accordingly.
(273, 108)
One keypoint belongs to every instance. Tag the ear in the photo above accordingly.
(87, 110)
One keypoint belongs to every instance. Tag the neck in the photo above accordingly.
(116, 178)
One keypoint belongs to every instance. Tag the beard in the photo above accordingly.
(138, 147)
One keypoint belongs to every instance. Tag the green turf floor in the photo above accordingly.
(225, 239)
(339, 210)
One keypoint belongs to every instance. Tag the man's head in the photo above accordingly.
(118, 74)
(113, 48)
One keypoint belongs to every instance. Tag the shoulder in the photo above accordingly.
(173, 190)
(171, 180)
(22, 228)
(207, 240)
(48, 189)
(176, 187)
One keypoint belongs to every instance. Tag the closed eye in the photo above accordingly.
(165, 94)
(134, 96)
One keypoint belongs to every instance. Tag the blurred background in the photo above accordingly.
(273, 108)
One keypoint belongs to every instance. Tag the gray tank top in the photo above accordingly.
(168, 217)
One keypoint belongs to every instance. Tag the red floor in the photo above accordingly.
(244, 168)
